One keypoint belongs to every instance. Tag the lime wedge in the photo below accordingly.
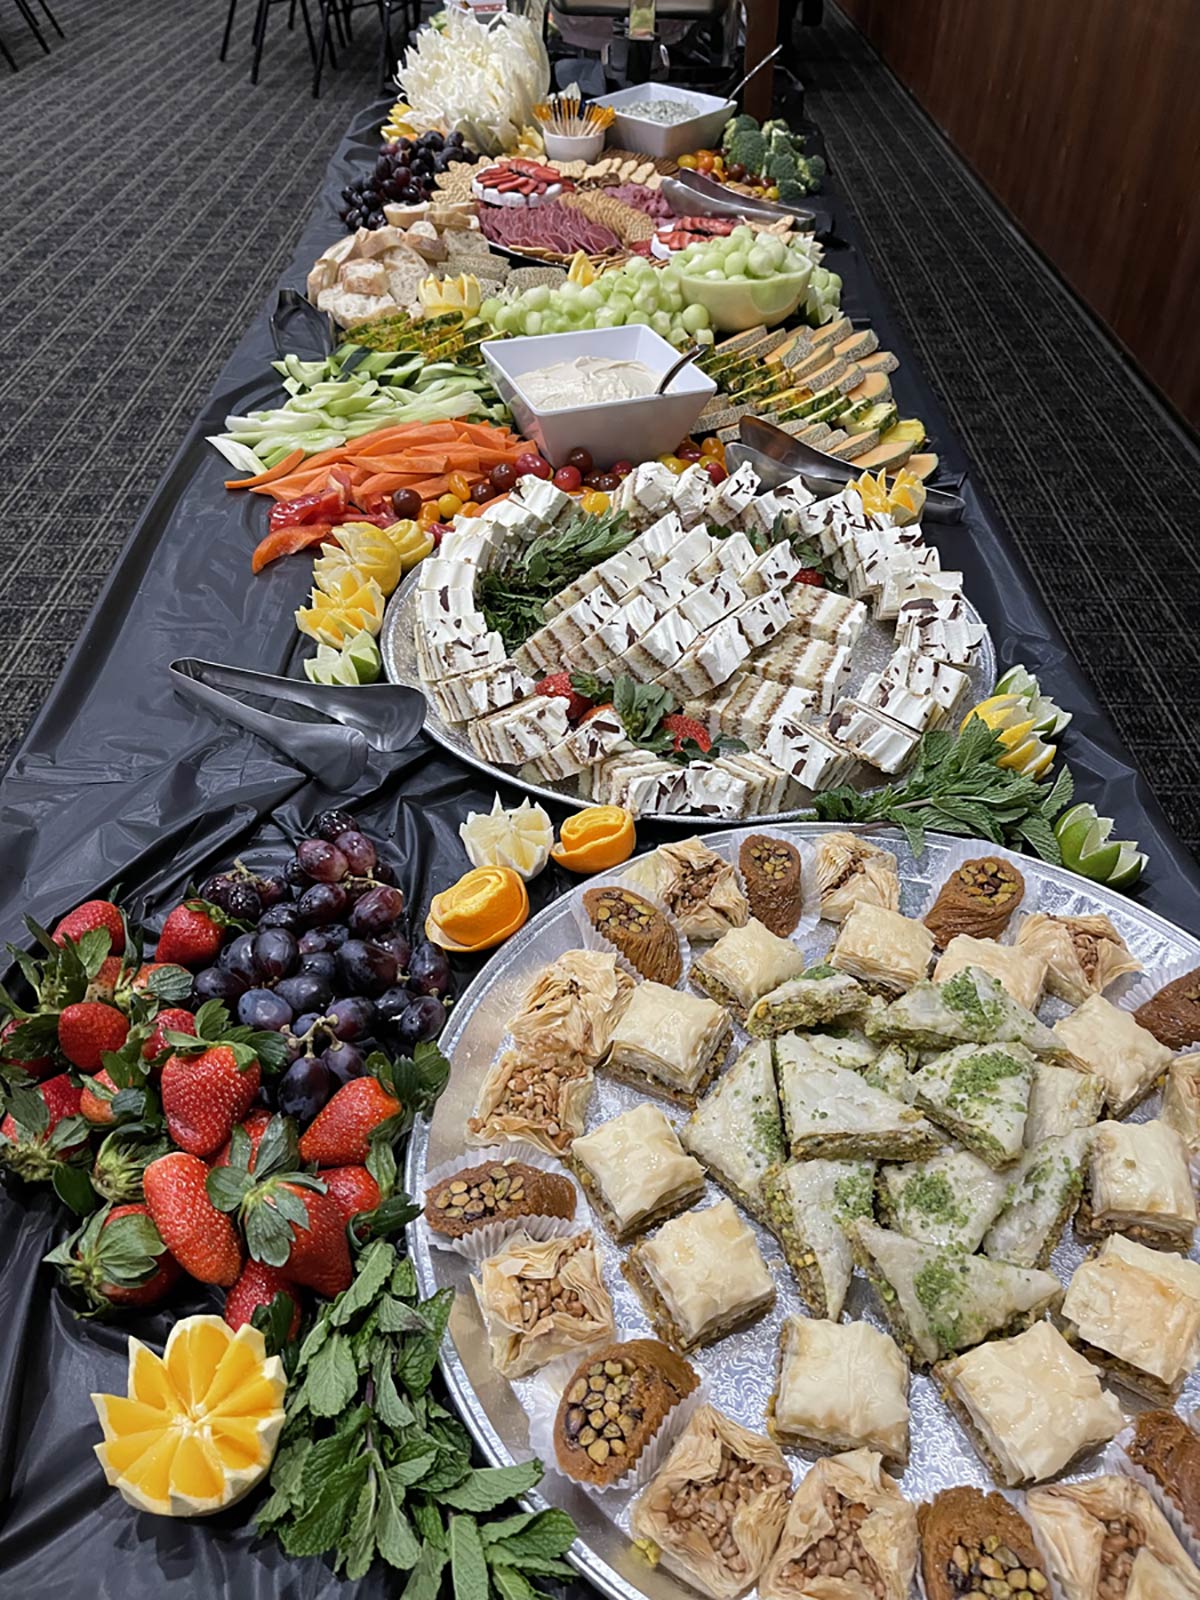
(1129, 867)
(363, 655)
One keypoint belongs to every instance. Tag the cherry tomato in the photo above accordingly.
(406, 503)
(688, 451)
(704, 160)
(594, 501)
(504, 475)
(737, 172)
(428, 514)
(621, 469)
(716, 472)
(449, 505)
(712, 446)
(531, 462)
(607, 482)
(460, 485)
(688, 163)
(568, 478)
(582, 459)
(470, 508)
(673, 464)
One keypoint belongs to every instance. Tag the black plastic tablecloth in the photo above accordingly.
(121, 783)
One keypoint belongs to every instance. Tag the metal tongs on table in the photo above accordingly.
(383, 716)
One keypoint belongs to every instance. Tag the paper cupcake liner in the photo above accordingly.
(1148, 985)
(964, 850)
(1116, 1460)
(485, 1241)
(810, 900)
(593, 939)
(542, 1403)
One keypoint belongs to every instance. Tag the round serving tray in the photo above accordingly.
(738, 1371)
(872, 651)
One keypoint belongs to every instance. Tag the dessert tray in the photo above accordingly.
(738, 1372)
(822, 687)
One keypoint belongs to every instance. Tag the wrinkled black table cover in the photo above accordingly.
(121, 783)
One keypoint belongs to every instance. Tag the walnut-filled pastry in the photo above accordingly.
(1105, 1539)
(847, 1502)
(635, 1172)
(746, 964)
(1083, 955)
(1112, 1044)
(541, 1300)
(698, 887)
(1136, 1313)
(881, 948)
(519, 1100)
(1138, 1184)
(701, 1276)
(842, 1385)
(569, 1009)
(850, 870)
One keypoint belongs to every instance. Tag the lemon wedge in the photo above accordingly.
(519, 839)
(199, 1425)
(1010, 717)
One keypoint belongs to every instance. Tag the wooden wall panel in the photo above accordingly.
(1083, 118)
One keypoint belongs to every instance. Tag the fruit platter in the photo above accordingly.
(831, 1283)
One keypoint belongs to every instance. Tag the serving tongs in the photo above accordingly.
(693, 194)
(774, 453)
(383, 716)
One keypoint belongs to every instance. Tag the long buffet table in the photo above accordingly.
(121, 781)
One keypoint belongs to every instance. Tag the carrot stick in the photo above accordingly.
(280, 470)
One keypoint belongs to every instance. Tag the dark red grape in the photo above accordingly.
(305, 1023)
(276, 954)
(217, 983)
(343, 1061)
(580, 459)
(296, 875)
(358, 851)
(384, 873)
(376, 910)
(284, 915)
(243, 901)
(365, 967)
(406, 503)
(429, 970)
(314, 941)
(321, 963)
(238, 957)
(307, 991)
(263, 1008)
(272, 888)
(324, 902)
(504, 476)
(331, 823)
(352, 1018)
(400, 946)
(392, 1003)
(424, 1019)
(304, 1089)
(323, 861)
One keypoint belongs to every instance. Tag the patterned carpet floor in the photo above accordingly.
(149, 196)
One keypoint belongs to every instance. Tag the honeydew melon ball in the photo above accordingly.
(606, 317)
(568, 291)
(775, 249)
(759, 263)
(735, 264)
(509, 319)
(672, 301)
(537, 298)
(646, 298)
(489, 307)
(590, 298)
(743, 236)
(715, 274)
(669, 278)
(533, 323)
(637, 267)
(622, 305)
(694, 318)
(661, 323)
(704, 336)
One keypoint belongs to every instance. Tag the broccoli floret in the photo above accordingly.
(816, 168)
(748, 149)
(791, 192)
(775, 125)
(781, 167)
(739, 124)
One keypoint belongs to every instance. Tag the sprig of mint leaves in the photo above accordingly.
(372, 1467)
(642, 708)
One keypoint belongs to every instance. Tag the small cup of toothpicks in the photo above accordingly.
(571, 130)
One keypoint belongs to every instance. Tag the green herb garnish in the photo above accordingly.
(513, 597)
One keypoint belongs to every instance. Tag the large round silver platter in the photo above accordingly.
(871, 653)
(739, 1371)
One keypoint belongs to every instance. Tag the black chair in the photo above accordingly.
(8, 56)
(30, 21)
(259, 34)
(342, 13)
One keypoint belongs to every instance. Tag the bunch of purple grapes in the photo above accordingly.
(404, 171)
(329, 964)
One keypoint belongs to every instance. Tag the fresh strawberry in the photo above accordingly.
(204, 1095)
(354, 1189)
(812, 576)
(142, 976)
(605, 705)
(93, 914)
(89, 1028)
(202, 1239)
(173, 1020)
(96, 1107)
(320, 1254)
(192, 935)
(30, 1141)
(340, 1135)
(256, 1124)
(112, 1262)
(35, 1066)
(104, 985)
(257, 1285)
(559, 687)
(683, 728)
(120, 1162)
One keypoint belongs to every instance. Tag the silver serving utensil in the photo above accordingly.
(753, 73)
(676, 368)
(385, 716)
(693, 194)
(765, 439)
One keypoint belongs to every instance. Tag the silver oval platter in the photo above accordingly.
(738, 1371)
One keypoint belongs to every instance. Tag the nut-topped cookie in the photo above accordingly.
(639, 931)
(771, 874)
(970, 1539)
(614, 1405)
(496, 1192)
(978, 899)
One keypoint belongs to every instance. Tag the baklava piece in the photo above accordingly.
(1021, 973)
(746, 964)
(1136, 1313)
(1083, 955)
(849, 1533)
(617, 1400)
(771, 871)
(831, 1111)
(1167, 1450)
(1109, 1043)
(969, 1539)
(842, 1386)
(1060, 1101)
(980, 1096)
(497, 1191)
(569, 1008)
(1173, 1014)
(713, 1512)
(892, 1071)
(951, 1199)
(698, 887)
(519, 1099)
(977, 899)
(542, 1300)
(972, 1008)
(819, 996)
(1138, 1184)
(669, 1042)
(851, 871)
(637, 929)
(939, 1300)
(737, 1129)
(1030, 1405)
(635, 1172)
(810, 1205)
(882, 949)
(1043, 1193)
(1181, 1100)
(701, 1276)
(1105, 1539)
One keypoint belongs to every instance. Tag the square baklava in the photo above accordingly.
(669, 1042)
(635, 1172)
(701, 1276)
(842, 1386)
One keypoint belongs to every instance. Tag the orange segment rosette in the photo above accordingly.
(481, 910)
(595, 839)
